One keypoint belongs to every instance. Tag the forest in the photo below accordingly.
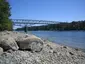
(62, 26)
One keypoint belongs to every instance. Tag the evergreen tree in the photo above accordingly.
(5, 22)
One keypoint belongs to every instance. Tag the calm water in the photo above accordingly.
(70, 38)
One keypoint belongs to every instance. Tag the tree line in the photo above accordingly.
(74, 25)
(5, 22)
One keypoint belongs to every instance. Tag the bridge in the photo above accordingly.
(31, 22)
(27, 21)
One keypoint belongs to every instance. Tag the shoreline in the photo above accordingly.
(56, 42)
(69, 39)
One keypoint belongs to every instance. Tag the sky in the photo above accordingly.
(54, 10)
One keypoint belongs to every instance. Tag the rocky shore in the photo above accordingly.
(21, 48)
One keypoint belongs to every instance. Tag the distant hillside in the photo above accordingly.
(74, 25)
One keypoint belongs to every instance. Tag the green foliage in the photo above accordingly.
(5, 22)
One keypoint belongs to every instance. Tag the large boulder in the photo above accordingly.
(31, 43)
(8, 43)
(15, 35)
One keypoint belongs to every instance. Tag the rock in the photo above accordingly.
(8, 43)
(31, 43)
(10, 51)
(71, 53)
(26, 57)
(1, 50)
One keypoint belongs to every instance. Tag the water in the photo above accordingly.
(70, 38)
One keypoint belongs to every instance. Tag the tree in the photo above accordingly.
(5, 22)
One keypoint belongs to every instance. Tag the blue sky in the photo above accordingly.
(57, 10)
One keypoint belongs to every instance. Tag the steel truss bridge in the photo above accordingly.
(27, 22)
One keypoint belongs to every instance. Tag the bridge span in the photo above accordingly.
(27, 22)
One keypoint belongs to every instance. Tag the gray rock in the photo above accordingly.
(33, 44)
(1, 50)
(8, 43)
(26, 57)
